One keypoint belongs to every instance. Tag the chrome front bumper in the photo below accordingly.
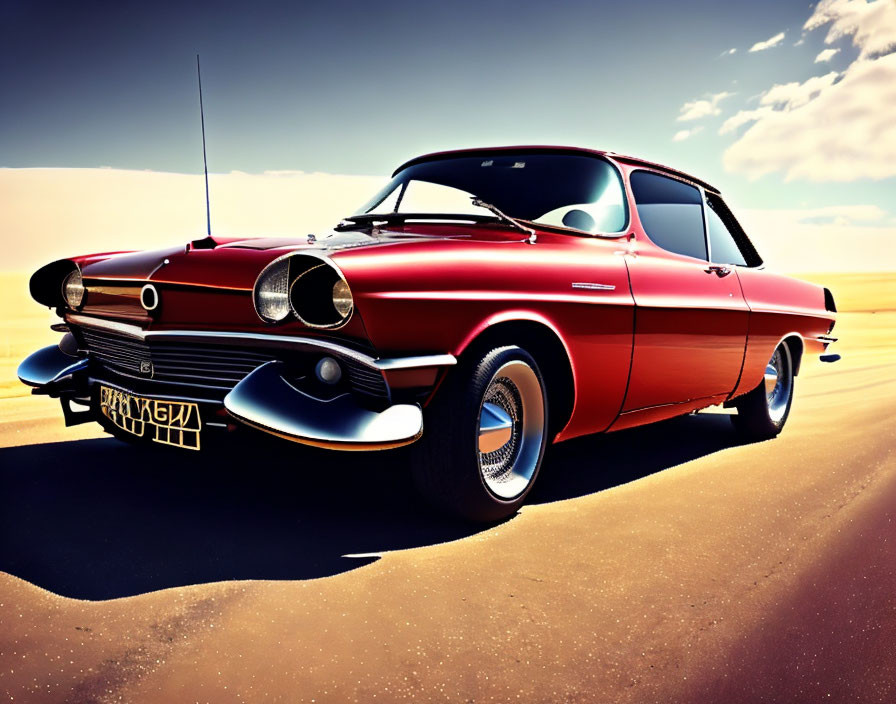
(266, 398)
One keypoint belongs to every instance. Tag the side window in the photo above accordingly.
(741, 249)
(722, 247)
(671, 213)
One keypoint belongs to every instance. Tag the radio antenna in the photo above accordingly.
(208, 212)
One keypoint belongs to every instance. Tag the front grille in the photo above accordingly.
(365, 380)
(216, 366)
(195, 364)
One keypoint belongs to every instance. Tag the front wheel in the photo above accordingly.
(485, 436)
(762, 412)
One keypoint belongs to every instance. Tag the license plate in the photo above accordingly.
(168, 422)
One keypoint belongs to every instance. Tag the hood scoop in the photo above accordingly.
(207, 242)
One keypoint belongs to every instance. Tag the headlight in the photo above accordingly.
(271, 294)
(342, 298)
(310, 287)
(319, 296)
(73, 289)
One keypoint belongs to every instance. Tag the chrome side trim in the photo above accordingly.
(48, 365)
(380, 364)
(431, 360)
(593, 287)
(267, 401)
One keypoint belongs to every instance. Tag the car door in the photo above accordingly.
(690, 315)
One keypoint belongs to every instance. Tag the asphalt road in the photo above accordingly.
(100, 519)
(661, 564)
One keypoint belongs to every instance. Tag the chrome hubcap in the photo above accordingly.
(511, 429)
(771, 379)
(495, 428)
(778, 382)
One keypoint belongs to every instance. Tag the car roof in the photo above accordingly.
(547, 149)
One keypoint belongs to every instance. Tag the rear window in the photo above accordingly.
(742, 244)
(671, 213)
(722, 247)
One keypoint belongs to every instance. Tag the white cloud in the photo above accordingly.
(682, 135)
(46, 214)
(872, 25)
(794, 95)
(835, 127)
(780, 97)
(768, 43)
(730, 52)
(842, 135)
(826, 55)
(704, 107)
(800, 41)
(743, 117)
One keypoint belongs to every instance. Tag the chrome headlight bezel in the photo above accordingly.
(317, 292)
(270, 294)
(73, 290)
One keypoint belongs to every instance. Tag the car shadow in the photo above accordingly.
(100, 519)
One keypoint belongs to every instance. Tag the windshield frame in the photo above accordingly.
(389, 189)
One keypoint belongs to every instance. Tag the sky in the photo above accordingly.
(782, 105)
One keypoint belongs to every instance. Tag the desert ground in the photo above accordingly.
(662, 564)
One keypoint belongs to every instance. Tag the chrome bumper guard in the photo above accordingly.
(266, 400)
(827, 340)
(59, 375)
(49, 366)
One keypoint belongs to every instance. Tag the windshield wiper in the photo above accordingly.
(370, 220)
(479, 203)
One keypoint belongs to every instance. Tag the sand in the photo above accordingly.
(660, 564)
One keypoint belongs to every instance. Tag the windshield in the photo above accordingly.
(560, 190)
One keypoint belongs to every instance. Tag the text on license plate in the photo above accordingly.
(168, 422)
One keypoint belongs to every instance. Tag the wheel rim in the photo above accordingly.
(511, 430)
(778, 384)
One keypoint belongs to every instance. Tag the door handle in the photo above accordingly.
(718, 270)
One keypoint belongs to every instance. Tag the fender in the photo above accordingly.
(750, 377)
(528, 316)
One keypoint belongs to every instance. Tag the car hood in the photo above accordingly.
(236, 262)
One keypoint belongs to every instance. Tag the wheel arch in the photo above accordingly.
(795, 346)
(543, 341)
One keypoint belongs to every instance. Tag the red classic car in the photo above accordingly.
(484, 304)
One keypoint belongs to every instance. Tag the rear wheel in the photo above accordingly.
(762, 412)
(485, 436)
